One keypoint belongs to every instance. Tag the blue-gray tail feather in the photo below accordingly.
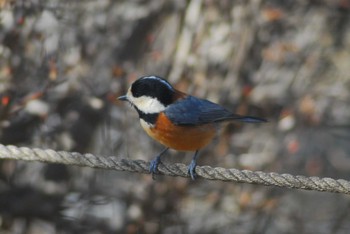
(250, 119)
(246, 119)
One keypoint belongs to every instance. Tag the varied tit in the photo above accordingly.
(175, 119)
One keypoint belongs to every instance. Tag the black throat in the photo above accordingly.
(148, 118)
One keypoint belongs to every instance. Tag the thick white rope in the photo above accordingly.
(206, 172)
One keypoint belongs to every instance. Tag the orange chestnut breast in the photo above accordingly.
(182, 138)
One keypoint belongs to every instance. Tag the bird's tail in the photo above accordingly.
(241, 118)
(251, 119)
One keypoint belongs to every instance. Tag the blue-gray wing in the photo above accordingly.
(195, 111)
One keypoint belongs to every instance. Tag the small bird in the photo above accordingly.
(175, 119)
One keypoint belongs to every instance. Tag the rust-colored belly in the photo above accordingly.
(183, 138)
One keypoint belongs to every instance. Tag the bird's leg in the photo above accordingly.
(153, 168)
(192, 166)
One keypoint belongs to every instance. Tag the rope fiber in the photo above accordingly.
(177, 169)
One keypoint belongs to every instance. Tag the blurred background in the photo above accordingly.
(64, 62)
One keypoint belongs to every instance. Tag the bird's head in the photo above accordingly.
(150, 94)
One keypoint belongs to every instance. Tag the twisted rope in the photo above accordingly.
(206, 172)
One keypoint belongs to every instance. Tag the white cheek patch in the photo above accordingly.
(147, 105)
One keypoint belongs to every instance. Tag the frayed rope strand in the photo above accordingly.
(177, 169)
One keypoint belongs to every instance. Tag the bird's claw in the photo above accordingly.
(192, 169)
(153, 168)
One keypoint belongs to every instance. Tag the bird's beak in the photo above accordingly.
(123, 98)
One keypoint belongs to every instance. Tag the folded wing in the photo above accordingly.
(194, 111)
